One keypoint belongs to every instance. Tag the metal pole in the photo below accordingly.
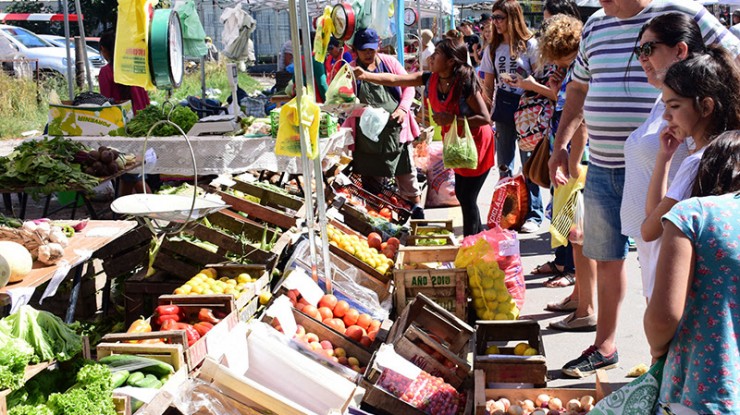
(203, 76)
(400, 29)
(70, 79)
(81, 28)
(421, 61)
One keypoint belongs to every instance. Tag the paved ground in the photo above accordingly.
(560, 347)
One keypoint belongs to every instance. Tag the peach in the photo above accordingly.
(328, 301)
(300, 330)
(341, 308)
(325, 313)
(364, 321)
(326, 344)
(312, 312)
(355, 333)
(312, 338)
(350, 318)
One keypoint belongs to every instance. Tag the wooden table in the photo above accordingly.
(79, 193)
(96, 235)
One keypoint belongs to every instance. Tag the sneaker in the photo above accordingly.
(417, 212)
(530, 226)
(589, 362)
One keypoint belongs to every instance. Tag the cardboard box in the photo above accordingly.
(66, 119)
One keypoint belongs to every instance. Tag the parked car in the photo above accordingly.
(93, 55)
(52, 60)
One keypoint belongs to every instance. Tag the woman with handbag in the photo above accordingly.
(513, 50)
(455, 94)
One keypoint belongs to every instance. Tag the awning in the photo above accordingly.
(36, 17)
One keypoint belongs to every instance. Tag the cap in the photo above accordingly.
(334, 42)
(466, 22)
(366, 39)
(736, 13)
(484, 17)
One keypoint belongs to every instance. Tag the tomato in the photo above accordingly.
(386, 213)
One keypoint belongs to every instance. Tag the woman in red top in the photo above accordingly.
(108, 86)
(454, 91)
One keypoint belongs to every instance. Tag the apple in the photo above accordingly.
(326, 345)
(300, 330)
(312, 338)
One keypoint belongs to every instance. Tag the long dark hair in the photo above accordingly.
(567, 7)
(670, 29)
(719, 169)
(461, 69)
(108, 41)
(712, 75)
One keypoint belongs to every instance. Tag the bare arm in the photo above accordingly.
(577, 148)
(570, 120)
(388, 79)
(672, 282)
(489, 85)
(482, 117)
(530, 84)
(657, 204)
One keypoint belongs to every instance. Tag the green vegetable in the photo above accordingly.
(185, 189)
(37, 389)
(135, 378)
(92, 394)
(30, 410)
(149, 381)
(45, 166)
(15, 354)
(50, 338)
(119, 378)
(143, 364)
(144, 119)
(460, 153)
(10, 222)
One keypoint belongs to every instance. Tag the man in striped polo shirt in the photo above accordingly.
(611, 94)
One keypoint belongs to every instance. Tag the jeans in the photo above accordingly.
(467, 190)
(602, 225)
(564, 257)
(505, 154)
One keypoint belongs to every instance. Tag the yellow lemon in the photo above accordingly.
(208, 291)
(492, 350)
(499, 316)
(520, 348)
(530, 352)
(197, 289)
(203, 276)
(487, 282)
(180, 291)
(232, 282)
(265, 297)
(210, 272)
(243, 278)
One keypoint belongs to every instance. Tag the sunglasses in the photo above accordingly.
(498, 17)
(646, 49)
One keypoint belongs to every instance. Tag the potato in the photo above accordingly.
(587, 403)
(555, 404)
(573, 405)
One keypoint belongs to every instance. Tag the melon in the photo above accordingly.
(15, 262)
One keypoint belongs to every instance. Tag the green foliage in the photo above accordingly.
(50, 338)
(91, 395)
(143, 121)
(215, 78)
(15, 355)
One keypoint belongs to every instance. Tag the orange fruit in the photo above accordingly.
(355, 333)
(312, 312)
(351, 317)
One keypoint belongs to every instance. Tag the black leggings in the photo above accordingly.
(467, 190)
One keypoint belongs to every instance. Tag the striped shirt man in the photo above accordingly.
(619, 96)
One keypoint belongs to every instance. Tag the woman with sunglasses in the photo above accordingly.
(662, 41)
(454, 91)
(513, 50)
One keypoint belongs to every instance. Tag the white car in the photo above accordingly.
(95, 58)
(51, 59)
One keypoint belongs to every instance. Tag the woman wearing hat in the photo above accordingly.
(390, 154)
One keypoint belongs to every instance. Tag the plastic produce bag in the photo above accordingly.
(495, 273)
(363, 16)
(509, 204)
(460, 152)
(342, 87)
(324, 28)
(373, 121)
(379, 17)
(406, 381)
(288, 138)
(192, 30)
(564, 204)
(131, 57)
(437, 129)
(441, 180)
(199, 397)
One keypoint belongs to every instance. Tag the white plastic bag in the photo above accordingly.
(373, 121)
(380, 21)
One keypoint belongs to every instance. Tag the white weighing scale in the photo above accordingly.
(214, 125)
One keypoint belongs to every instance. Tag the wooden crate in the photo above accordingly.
(168, 353)
(325, 333)
(507, 367)
(448, 287)
(141, 294)
(384, 279)
(444, 327)
(483, 394)
(129, 252)
(454, 370)
(421, 225)
(274, 208)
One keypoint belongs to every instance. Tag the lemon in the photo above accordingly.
(265, 297)
(218, 290)
(231, 282)
(208, 291)
(203, 276)
(487, 282)
(180, 291)
(520, 348)
(210, 272)
(530, 352)
(197, 289)
(489, 295)
(500, 316)
(243, 278)
(492, 350)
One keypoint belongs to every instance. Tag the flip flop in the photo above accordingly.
(565, 279)
(540, 269)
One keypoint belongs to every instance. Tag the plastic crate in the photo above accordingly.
(399, 214)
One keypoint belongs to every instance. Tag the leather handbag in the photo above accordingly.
(536, 169)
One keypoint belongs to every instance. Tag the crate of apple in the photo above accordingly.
(338, 315)
(426, 392)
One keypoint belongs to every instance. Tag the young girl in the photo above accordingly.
(513, 49)
(702, 101)
(692, 316)
(454, 91)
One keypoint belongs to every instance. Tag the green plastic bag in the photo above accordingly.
(193, 35)
(459, 152)
(437, 129)
(638, 397)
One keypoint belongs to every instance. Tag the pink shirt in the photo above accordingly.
(110, 89)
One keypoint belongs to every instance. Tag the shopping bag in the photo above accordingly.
(437, 129)
(192, 30)
(532, 119)
(459, 151)
(638, 397)
(288, 141)
(536, 168)
(131, 57)
(564, 203)
(441, 180)
(324, 27)
(509, 204)
(342, 87)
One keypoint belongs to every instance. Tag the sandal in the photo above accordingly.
(567, 304)
(548, 268)
(566, 279)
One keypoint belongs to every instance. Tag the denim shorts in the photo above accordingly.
(602, 225)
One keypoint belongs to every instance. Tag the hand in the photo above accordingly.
(522, 83)
(669, 142)
(359, 73)
(555, 81)
(443, 118)
(558, 165)
(574, 166)
(398, 115)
